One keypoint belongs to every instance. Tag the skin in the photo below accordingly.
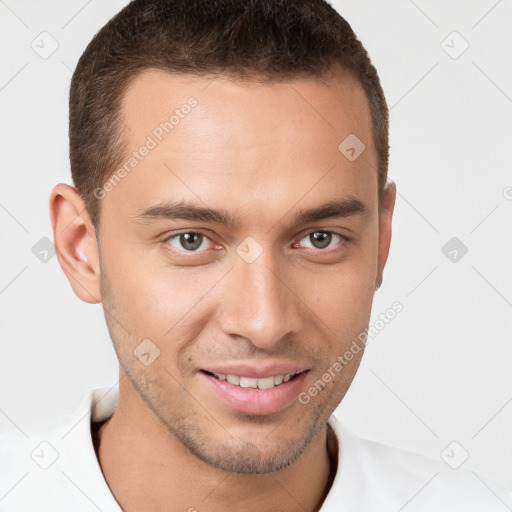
(261, 152)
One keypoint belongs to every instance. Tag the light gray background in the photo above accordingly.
(441, 370)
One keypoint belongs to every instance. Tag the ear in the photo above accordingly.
(75, 242)
(385, 218)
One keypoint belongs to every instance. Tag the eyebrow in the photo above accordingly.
(338, 208)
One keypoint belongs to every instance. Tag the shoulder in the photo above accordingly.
(53, 466)
(374, 476)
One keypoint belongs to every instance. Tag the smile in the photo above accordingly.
(252, 382)
(248, 394)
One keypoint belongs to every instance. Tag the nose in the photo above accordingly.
(259, 303)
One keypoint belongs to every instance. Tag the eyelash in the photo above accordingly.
(343, 239)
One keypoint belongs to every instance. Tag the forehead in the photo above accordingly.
(335, 102)
(272, 143)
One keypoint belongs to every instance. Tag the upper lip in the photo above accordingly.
(256, 371)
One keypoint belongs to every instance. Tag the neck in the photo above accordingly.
(147, 468)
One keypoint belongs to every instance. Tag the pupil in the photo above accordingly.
(187, 240)
(321, 239)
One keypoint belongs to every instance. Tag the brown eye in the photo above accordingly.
(189, 241)
(322, 239)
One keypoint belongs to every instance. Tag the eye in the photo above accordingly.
(322, 239)
(189, 241)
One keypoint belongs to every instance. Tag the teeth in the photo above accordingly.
(232, 379)
(246, 382)
(251, 382)
(266, 383)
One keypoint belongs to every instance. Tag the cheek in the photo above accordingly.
(155, 299)
(342, 298)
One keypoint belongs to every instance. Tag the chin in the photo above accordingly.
(247, 454)
(248, 458)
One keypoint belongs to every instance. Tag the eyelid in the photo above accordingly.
(322, 230)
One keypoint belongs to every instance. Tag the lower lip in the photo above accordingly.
(253, 401)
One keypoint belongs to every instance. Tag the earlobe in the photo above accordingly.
(385, 228)
(75, 242)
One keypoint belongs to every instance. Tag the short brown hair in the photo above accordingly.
(246, 39)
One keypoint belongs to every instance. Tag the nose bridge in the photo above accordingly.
(260, 306)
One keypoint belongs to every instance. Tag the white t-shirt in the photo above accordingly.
(55, 469)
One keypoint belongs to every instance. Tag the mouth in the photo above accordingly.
(262, 395)
(253, 382)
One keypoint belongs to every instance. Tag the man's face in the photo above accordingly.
(267, 296)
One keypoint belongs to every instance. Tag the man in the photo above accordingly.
(232, 214)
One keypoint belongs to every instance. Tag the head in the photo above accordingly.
(231, 211)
